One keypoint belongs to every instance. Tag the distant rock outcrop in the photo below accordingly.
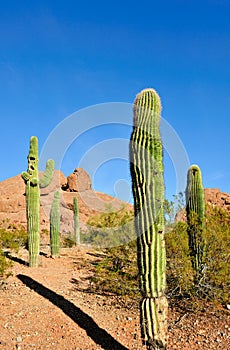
(78, 181)
(215, 197)
(13, 200)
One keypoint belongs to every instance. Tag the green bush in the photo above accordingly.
(117, 272)
(179, 267)
(5, 264)
(68, 241)
(111, 218)
(217, 278)
(110, 229)
(215, 284)
(12, 237)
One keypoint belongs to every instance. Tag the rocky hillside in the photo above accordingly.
(13, 200)
(213, 196)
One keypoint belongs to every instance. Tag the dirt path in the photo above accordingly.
(42, 309)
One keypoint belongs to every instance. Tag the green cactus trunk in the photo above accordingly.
(76, 221)
(195, 209)
(146, 167)
(31, 179)
(33, 202)
(55, 226)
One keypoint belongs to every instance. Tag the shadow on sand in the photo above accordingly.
(21, 261)
(16, 259)
(97, 334)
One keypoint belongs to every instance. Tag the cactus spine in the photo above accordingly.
(195, 209)
(55, 225)
(146, 167)
(32, 182)
(76, 221)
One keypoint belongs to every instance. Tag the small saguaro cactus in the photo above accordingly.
(55, 225)
(146, 167)
(76, 221)
(32, 182)
(195, 209)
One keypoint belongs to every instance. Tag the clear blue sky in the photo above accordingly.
(57, 57)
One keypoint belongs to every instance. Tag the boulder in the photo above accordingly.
(78, 181)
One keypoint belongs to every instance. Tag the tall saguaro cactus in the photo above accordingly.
(146, 167)
(32, 182)
(195, 209)
(55, 225)
(76, 221)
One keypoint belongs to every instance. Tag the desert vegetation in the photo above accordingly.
(12, 237)
(145, 254)
(120, 265)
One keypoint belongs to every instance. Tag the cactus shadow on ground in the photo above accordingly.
(97, 334)
(16, 259)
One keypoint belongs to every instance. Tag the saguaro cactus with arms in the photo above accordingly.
(32, 182)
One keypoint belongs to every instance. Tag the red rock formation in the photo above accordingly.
(215, 197)
(13, 200)
(78, 181)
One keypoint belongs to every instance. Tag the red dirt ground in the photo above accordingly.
(41, 308)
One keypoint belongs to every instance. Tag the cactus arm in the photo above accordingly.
(48, 175)
(55, 225)
(25, 176)
(146, 167)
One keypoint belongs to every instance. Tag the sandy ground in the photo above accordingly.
(49, 308)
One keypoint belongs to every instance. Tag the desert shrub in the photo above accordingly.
(67, 241)
(117, 272)
(111, 218)
(110, 229)
(12, 237)
(44, 232)
(179, 267)
(217, 276)
(5, 264)
(109, 237)
(215, 283)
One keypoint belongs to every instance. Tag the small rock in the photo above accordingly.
(19, 339)
(228, 306)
